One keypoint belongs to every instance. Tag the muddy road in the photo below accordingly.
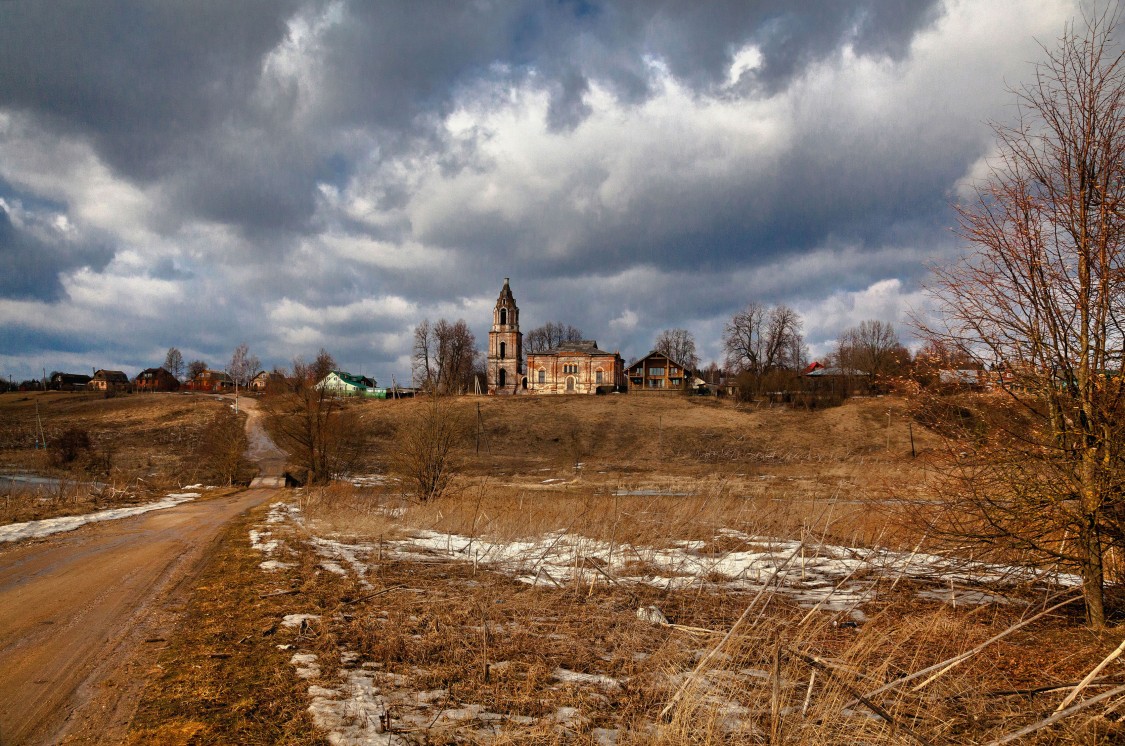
(83, 614)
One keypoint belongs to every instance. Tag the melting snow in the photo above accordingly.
(354, 710)
(48, 526)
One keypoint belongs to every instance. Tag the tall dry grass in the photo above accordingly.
(731, 667)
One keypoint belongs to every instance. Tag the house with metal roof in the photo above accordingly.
(342, 383)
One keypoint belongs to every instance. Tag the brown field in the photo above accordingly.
(140, 445)
(441, 636)
(843, 469)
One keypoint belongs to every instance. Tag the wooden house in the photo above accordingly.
(342, 383)
(109, 380)
(656, 373)
(268, 381)
(68, 382)
(575, 368)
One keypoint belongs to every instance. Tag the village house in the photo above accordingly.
(213, 381)
(155, 379)
(575, 368)
(68, 382)
(267, 380)
(109, 380)
(342, 383)
(656, 373)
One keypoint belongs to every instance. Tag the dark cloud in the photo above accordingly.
(251, 137)
(174, 92)
(31, 266)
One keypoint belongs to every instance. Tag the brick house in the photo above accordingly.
(155, 379)
(214, 381)
(575, 368)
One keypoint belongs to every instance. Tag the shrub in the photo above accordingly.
(68, 446)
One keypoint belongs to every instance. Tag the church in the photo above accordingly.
(572, 368)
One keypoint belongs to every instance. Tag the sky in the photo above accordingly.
(306, 174)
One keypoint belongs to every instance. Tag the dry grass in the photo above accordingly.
(142, 445)
(470, 636)
(657, 471)
(222, 677)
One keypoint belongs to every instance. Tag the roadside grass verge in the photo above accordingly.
(222, 677)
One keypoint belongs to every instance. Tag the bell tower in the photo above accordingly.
(505, 346)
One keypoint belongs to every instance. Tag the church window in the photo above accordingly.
(503, 317)
(598, 375)
(542, 375)
(502, 346)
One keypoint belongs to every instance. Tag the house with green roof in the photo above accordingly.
(342, 383)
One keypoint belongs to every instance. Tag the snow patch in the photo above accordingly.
(48, 526)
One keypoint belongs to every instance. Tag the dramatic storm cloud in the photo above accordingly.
(308, 174)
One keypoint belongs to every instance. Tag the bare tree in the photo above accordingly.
(550, 336)
(445, 355)
(243, 365)
(1041, 298)
(195, 367)
(760, 339)
(174, 362)
(425, 453)
(679, 345)
(321, 366)
(319, 430)
(423, 364)
(872, 348)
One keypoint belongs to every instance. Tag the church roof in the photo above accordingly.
(585, 346)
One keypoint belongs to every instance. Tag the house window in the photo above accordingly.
(656, 383)
(598, 375)
(542, 375)
(502, 347)
(656, 371)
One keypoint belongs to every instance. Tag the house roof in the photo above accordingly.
(823, 372)
(358, 381)
(153, 373)
(111, 375)
(214, 375)
(71, 378)
(656, 352)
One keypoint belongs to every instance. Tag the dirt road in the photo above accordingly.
(83, 613)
